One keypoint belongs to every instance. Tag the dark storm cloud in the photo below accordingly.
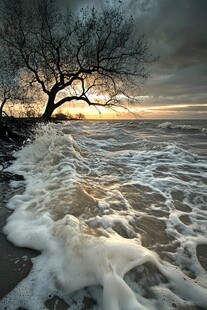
(177, 32)
(189, 81)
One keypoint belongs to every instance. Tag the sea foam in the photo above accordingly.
(75, 211)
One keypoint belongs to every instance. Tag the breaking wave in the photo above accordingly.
(169, 125)
(117, 215)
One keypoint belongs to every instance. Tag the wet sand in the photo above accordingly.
(15, 262)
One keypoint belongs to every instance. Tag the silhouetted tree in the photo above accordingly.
(94, 55)
(12, 89)
(80, 116)
(7, 84)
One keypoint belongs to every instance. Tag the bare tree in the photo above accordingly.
(92, 56)
(4, 96)
(80, 116)
(8, 84)
(13, 89)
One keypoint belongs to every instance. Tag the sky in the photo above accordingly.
(177, 32)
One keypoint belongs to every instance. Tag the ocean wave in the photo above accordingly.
(116, 219)
(169, 125)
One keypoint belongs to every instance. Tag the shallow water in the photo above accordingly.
(118, 210)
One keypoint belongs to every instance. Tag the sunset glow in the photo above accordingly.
(140, 111)
(154, 111)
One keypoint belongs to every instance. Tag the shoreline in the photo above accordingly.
(15, 262)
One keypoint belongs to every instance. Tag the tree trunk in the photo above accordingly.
(50, 107)
(1, 110)
(1, 107)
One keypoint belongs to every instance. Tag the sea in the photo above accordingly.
(118, 212)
